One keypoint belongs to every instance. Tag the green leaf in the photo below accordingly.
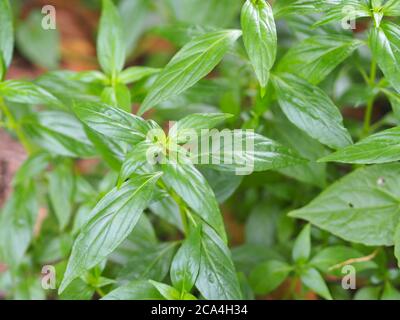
(397, 244)
(283, 131)
(268, 276)
(133, 14)
(314, 281)
(112, 122)
(34, 165)
(17, 221)
(390, 292)
(168, 292)
(382, 147)
(27, 92)
(135, 290)
(368, 293)
(110, 40)
(136, 158)
(150, 262)
(311, 110)
(334, 10)
(61, 192)
(259, 36)
(192, 63)
(59, 133)
(331, 256)
(6, 32)
(117, 96)
(186, 264)
(391, 8)
(244, 151)
(362, 207)
(40, 46)
(316, 57)
(110, 223)
(302, 245)
(193, 188)
(133, 74)
(385, 46)
(194, 123)
(205, 13)
(217, 278)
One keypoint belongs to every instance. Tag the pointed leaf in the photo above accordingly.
(192, 63)
(110, 222)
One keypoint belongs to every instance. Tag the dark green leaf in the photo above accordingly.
(362, 207)
(316, 57)
(109, 224)
(267, 276)
(382, 147)
(186, 264)
(310, 109)
(192, 63)
(217, 278)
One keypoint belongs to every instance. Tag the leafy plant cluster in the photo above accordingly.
(128, 228)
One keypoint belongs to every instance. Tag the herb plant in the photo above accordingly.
(289, 76)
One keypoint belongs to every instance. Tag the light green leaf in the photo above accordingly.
(390, 292)
(192, 63)
(313, 280)
(6, 32)
(59, 133)
(193, 188)
(311, 110)
(385, 46)
(34, 165)
(40, 46)
(338, 10)
(194, 123)
(362, 207)
(17, 221)
(61, 192)
(259, 36)
(133, 14)
(267, 276)
(368, 293)
(168, 292)
(331, 256)
(397, 244)
(391, 8)
(382, 147)
(112, 122)
(27, 92)
(110, 222)
(244, 151)
(316, 57)
(186, 264)
(302, 245)
(135, 290)
(110, 40)
(133, 74)
(217, 278)
(117, 96)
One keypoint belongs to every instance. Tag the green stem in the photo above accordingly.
(13, 124)
(370, 104)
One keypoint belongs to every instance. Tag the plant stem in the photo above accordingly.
(13, 124)
(371, 100)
